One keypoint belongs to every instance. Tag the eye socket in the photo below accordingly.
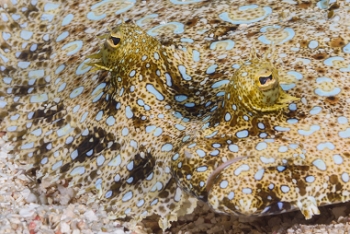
(115, 40)
(264, 79)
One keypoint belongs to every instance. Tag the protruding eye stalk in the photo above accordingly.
(267, 82)
(113, 42)
(264, 79)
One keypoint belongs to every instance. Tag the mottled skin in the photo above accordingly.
(210, 118)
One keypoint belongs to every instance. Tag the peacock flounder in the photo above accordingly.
(178, 106)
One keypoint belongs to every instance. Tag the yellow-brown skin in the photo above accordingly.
(91, 128)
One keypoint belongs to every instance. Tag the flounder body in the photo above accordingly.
(184, 109)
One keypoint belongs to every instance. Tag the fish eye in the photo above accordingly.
(264, 79)
(115, 40)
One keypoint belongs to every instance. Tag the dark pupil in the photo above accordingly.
(264, 79)
(115, 40)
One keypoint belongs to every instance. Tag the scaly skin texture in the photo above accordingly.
(252, 119)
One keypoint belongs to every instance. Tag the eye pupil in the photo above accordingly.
(263, 79)
(115, 40)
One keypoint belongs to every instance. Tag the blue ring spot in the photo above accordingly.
(225, 16)
(179, 28)
(229, 44)
(141, 22)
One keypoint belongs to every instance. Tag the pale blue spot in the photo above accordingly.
(320, 164)
(39, 98)
(201, 169)
(313, 129)
(167, 147)
(110, 120)
(158, 132)
(23, 65)
(99, 115)
(236, 66)
(186, 138)
(211, 69)
(242, 134)
(57, 165)
(283, 149)
(50, 6)
(281, 168)
(26, 35)
(346, 49)
(12, 129)
(74, 154)
(259, 174)
(329, 61)
(62, 87)
(127, 196)
(76, 92)
(6, 36)
(196, 56)
(125, 131)
(59, 69)
(200, 153)
(287, 87)
(168, 79)
(345, 134)
(189, 104)
(324, 145)
(150, 88)
(315, 110)
(128, 112)
(261, 146)
(310, 179)
(5, 59)
(48, 17)
(156, 55)
(313, 44)
(182, 70)
(220, 94)
(281, 129)
(180, 98)
(342, 120)
(67, 19)
(78, 171)
(211, 135)
(99, 88)
(186, 40)
(180, 127)
(338, 159)
(150, 128)
(292, 121)
(241, 168)
(62, 36)
(115, 161)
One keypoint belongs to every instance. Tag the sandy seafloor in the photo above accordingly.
(25, 209)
